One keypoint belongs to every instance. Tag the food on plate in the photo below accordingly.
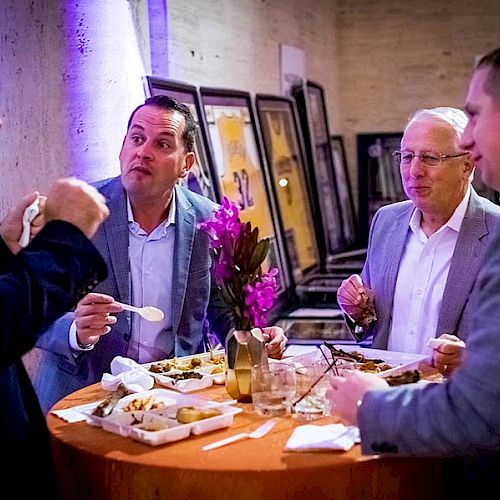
(188, 414)
(107, 406)
(364, 364)
(185, 375)
(144, 404)
(407, 377)
(188, 365)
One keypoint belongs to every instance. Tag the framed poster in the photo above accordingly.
(323, 183)
(379, 180)
(239, 167)
(283, 149)
(201, 176)
(344, 189)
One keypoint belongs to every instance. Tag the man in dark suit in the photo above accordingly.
(37, 285)
(157, 256)
(460, 417)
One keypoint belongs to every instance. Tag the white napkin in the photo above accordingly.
(76, 413)
(30, 212)
(129, 373)
(323, 438)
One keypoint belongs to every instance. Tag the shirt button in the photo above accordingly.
(147, 273)
(419, 291)
(412, 332)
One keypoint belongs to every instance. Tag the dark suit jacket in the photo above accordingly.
(194, 304)
(36, 287)
(387, 242)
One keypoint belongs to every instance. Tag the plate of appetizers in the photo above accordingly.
(189, 373)
(161, 416)
(379, 361)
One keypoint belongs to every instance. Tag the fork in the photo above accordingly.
(256, 434)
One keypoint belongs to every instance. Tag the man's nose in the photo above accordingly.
(466, 141)
(417, 167)
(144, 150)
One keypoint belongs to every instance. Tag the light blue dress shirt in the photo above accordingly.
(151, 268)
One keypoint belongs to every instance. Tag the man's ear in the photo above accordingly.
(189, 160)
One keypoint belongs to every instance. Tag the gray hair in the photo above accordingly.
(454, 117)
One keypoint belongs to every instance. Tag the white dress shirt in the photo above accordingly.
(421, 280)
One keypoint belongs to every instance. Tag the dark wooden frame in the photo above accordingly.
(322, 180)
(344, 189)
(294, 164)
(201, 176)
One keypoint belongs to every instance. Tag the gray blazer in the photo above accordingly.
(460, 416)
(194, 304)
(388, 235)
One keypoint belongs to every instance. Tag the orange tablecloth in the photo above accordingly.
(92, 463)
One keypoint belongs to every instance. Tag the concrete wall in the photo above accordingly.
(70, 75)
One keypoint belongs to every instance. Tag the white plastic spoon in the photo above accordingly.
(149, 313)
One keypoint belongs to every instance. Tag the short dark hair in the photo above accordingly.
(172, 104)
(492, 62)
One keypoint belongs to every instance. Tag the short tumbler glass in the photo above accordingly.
(273, 388)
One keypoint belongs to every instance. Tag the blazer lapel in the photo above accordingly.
(466, 255)
(185, 229)
(116, 230)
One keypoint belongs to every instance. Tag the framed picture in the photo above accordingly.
(239, 167)
(201, 176)
(323, 183)
(379, 181)
(281, 139)
(344, 189)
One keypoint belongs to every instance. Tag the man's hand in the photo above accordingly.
(354, 298)
(78, 203)
(275, 341)
(348, 390)
(11, 227)
(93, 317)
(447, 353)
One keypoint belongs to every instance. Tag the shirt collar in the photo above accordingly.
(170, 220)
(454, 222)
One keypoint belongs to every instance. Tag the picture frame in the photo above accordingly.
(240, 172)
(283, 148)
(201, 178)
(344, 189)
(379, 181)
(322, 180)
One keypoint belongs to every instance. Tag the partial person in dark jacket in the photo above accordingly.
(37, 285)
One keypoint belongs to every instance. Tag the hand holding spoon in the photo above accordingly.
(149, 313)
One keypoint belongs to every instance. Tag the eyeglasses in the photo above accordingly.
(405, 158)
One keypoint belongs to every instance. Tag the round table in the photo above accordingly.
(92, 463)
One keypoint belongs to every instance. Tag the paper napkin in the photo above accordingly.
(323, 438)
(30, 212)
(129, 373)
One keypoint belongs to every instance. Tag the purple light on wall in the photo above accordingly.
(158, 37)
(103, 80)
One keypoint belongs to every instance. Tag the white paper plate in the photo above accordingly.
(131, 424)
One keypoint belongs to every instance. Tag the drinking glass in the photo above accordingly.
(273, 388)
(311, 401)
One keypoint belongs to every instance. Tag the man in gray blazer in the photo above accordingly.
(460, 417)
(156, 255)
(424, 254)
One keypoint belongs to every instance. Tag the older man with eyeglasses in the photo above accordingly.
(424, 254)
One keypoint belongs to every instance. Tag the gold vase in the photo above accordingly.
(244, 349)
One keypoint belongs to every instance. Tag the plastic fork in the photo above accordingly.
(256, 434)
